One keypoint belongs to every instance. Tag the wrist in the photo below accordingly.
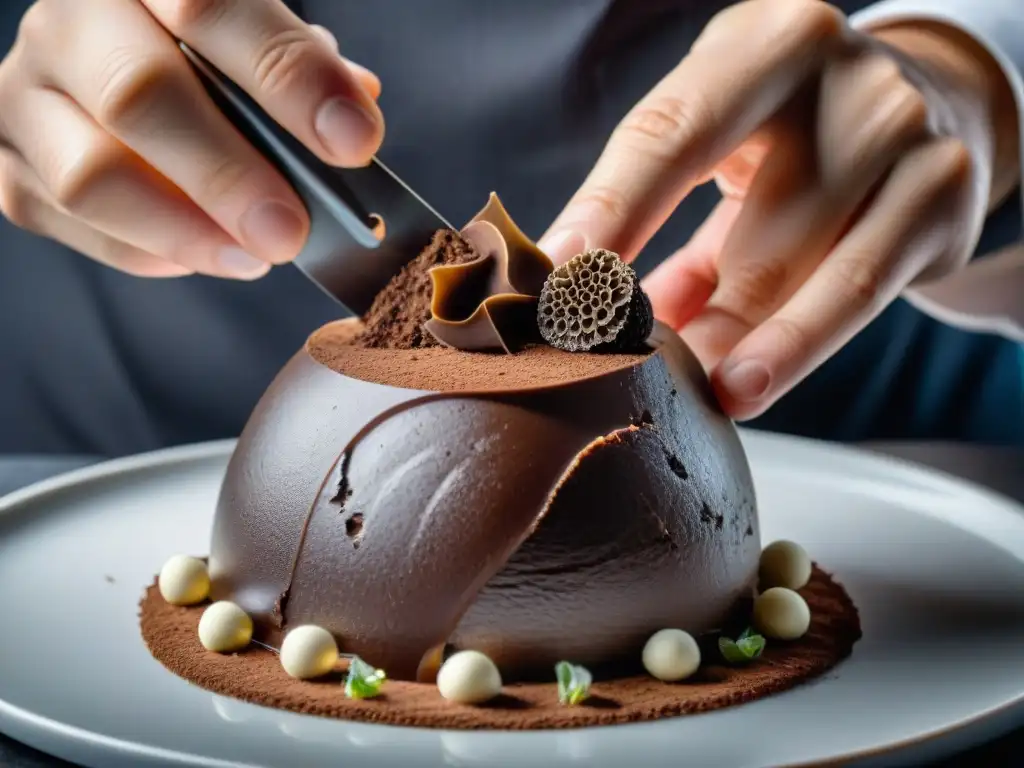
(977, 80)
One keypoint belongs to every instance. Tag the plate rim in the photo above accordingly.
(106, 469)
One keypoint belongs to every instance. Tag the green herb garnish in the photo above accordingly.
(573, 683)
(743, 649)
(363, 681)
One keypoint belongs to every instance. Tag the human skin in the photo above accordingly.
(851, 165)
(110, 145)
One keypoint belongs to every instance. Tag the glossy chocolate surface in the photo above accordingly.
(568, 521)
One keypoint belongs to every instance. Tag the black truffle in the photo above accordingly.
(594, 303)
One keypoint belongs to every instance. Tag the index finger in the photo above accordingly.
(744, 67)
(283, 63)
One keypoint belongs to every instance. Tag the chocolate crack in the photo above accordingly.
(676, 465)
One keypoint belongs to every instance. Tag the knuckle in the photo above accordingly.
(937, 173)
(916, 116)
(75, 185)
(11, 82)
(666, 120)
(861, 278)
(951, 164)
(34, 39)
(821, 21)
(126, 258)
(722, 18)
(283, 59)
(16, 202)
(803, 20)
(808, 19)
(610, 203)
(789, 337)
(35, 23)
(187, 15)
(787, 22)
(886, 81)
(756, 286)
(224, 179)
(880, 71)
(131, 85)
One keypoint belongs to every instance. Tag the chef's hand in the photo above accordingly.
(109, 144)
(850, 167)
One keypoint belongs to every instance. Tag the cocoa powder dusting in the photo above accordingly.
(396, 318)
(255, 675)
(441, 369)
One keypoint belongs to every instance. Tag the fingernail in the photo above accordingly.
(746, 380)
(238, 263)
(275, 228)
(562, 245)
(347, 130)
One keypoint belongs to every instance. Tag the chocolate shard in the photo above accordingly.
(489, 303)
(594, 303)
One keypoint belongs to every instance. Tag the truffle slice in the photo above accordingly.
(489, 303)
(594, 302)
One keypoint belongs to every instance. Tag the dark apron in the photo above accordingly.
(516, 96)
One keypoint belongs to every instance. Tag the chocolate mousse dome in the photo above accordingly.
(536, 506)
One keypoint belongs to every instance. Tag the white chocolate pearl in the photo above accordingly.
(784, 564)
(308, 651)
(224, 627)
(184, 580)
(782, 614)
(469, 677)
(671, 655)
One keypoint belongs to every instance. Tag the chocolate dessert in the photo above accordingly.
(502, 459)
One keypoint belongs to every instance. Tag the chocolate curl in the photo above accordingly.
(490, 303)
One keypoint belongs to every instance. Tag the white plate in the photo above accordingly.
(935, 565)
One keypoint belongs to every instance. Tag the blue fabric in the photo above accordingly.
(910, 376)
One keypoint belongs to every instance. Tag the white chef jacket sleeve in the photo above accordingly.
(988, 293)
